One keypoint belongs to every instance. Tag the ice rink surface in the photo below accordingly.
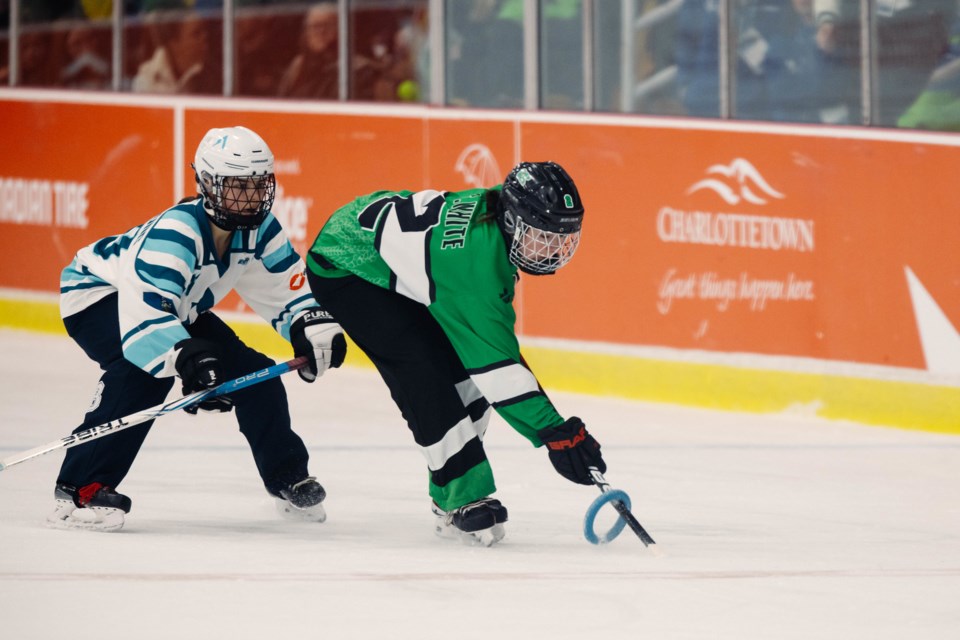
(770, 527)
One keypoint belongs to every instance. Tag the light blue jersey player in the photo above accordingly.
(140, 305)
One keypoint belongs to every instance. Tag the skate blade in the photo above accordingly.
(316, 513)
(100, 519)
(482, 538)
(486, 537)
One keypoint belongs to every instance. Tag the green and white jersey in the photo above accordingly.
(444, 250)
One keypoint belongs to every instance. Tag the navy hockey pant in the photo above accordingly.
(441, 405)
(124, 388)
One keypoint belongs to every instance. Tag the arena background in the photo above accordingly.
(744, 266)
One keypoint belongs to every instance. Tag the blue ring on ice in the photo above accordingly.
(589, 519)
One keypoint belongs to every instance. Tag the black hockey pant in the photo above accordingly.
(124, 388)
(443, 408)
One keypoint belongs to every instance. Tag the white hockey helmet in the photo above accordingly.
(234, 171)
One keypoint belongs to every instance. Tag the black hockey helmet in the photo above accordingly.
(540, 215)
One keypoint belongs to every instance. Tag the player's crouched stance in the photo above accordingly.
(423, 282)
(139, 304)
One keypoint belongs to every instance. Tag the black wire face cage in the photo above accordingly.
(238, 202)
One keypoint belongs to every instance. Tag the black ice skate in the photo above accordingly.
(302, 501)
(93, 507)
(479, 522)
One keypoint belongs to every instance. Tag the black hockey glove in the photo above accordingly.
(317, 336)
(572, 449)
(199, 368)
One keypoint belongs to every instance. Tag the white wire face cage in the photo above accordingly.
(239, 202)
(540, 252)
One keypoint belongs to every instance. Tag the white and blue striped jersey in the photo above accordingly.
(167, 272)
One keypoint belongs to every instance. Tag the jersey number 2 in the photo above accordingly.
(415, 213)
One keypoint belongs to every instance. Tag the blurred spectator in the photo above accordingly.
(412, 42)
(779, 70)
(390, 68)
(485, 55)
(698, 63)
(654, 69)
(263, 49)
(938, 107)
(912, 37)
(37, 66)
(314, 72)
(401, 79)
(791, 65)
(88, 68)
(180, 62)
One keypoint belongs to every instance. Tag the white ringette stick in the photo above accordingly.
(140, 417)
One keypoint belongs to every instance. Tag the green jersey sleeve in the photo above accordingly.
(482, 333)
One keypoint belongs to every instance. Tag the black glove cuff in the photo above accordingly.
(568, 435)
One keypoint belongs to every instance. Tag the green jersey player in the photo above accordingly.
(423, 282)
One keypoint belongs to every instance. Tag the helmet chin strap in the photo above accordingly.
(219, 222)
(537, 273)
(212, 213)
(222, 219)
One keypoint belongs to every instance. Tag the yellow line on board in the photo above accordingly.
(868, 401)
(31, 315)
(906, 405)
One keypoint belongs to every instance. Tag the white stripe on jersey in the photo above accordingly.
(505, 383)
(179, 226)
(469, 393)
(454, 440)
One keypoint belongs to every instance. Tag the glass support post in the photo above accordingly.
(869, 86)
(437, 51)
(588, 53)
(13, 76)
(228, 48)
(727, 57)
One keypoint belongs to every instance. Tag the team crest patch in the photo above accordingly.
(97, 397)
(159, 302)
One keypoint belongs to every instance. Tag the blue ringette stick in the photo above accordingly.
(621, 502)
(155, 412)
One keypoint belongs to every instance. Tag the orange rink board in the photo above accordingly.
(714, 255)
